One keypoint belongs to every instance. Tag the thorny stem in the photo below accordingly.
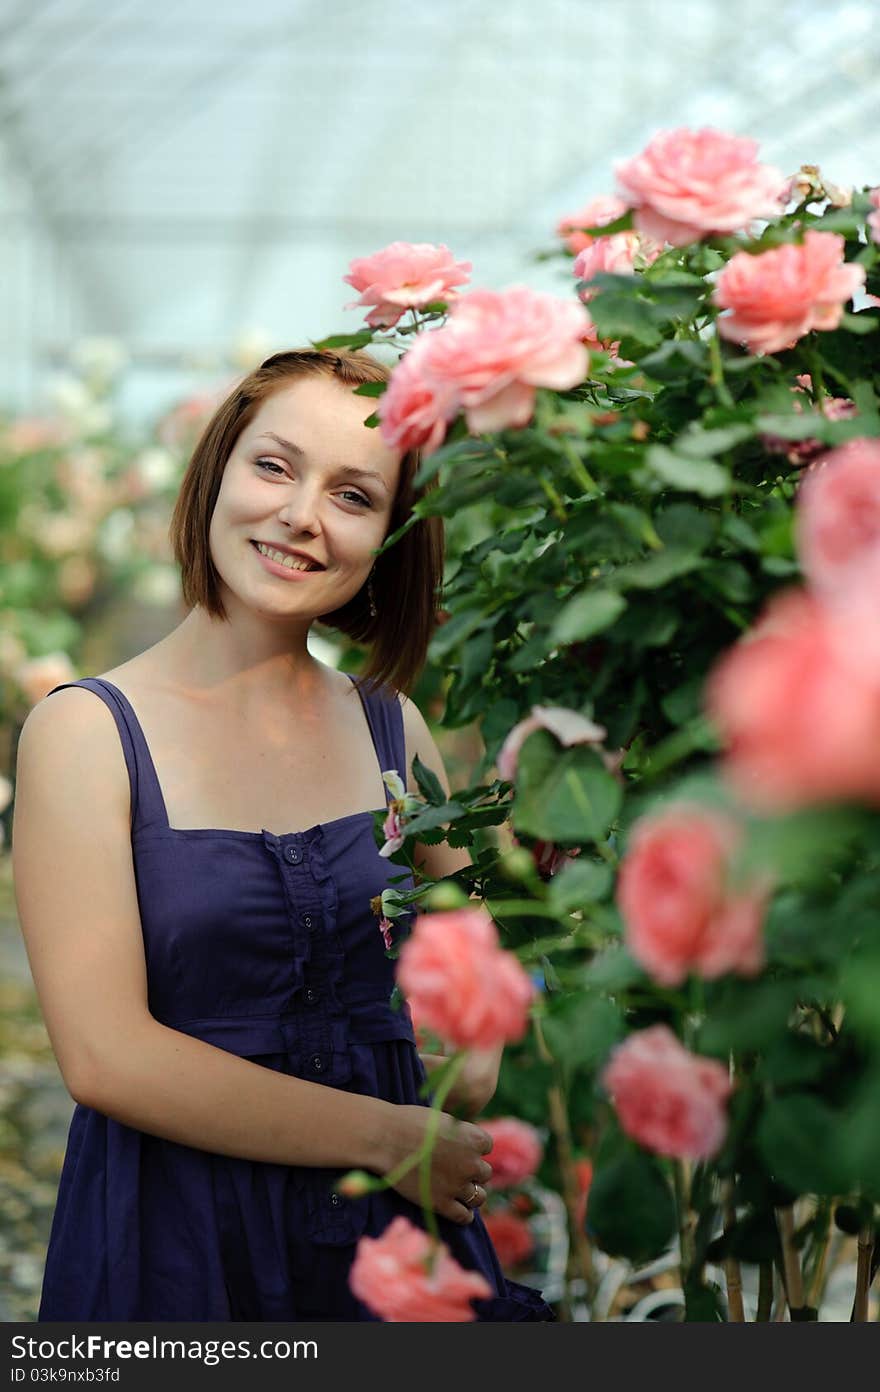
(564, 1151)
(555, 500)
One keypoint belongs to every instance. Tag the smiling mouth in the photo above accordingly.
(284, 559)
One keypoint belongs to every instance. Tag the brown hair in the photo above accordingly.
(406, 579)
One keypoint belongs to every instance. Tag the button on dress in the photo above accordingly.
(266, 946)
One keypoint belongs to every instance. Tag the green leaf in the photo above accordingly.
(359, 339)
(582, 1030)
(696, 442)
(580, 881)
(859, 323)
(798, 1138)
(434, 817)
(631, 1209)
(587, 613)
(617, 314)
(429, 784)
(614, 970)
(657, 570)
(563, 795)
(701, 476)
(370, 389)
(675, 359)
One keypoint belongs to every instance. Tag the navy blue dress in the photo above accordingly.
(266, 946)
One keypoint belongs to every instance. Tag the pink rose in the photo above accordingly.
(686, 184)
(599, 211)
(404, 275)
(414, 410)
(779, 295)
(404, 1278)
(462, 985)
(666, 1098)
(680, 913)
(567, 726)
(499, 345)
(494, 350)
(838, 516)
(797, 704)
(517, 1150)
(511, 1237)
(874, 218)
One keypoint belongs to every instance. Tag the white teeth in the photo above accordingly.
(291, 562)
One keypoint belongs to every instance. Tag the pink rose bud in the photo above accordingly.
(680, 912)
(669, 1100)
(686, 185)
(404, 1278)
(517, 1150)
(779, 295)
(460, 983)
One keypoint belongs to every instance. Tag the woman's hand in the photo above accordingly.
(476, 1082)
(458, 1171)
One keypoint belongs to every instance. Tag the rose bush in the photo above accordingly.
(661, 614)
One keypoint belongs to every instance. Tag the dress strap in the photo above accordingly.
(147, 803)
(385, 719)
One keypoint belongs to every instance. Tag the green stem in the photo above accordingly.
(422, 1156)
(555, 500)
(716, 376)
(579, 471)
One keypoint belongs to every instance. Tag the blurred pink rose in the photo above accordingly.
(666, 1098)
(567, 726)
(680, 913)
(838, 516)
(599, 211)
(797, 704)
(404, 275)
(414, 410)
(393, 1275)
(511, 1237)
(688, 184)
(461, 984)
(616, 255)
(516, 1153)
(40, 675)
(874, 218)
(779, 295)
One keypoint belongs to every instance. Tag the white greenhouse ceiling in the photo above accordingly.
(178, 176)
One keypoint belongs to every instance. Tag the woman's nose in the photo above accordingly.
(301, 511)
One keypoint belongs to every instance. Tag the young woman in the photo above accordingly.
(194, 861)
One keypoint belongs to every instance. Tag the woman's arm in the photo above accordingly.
(77, 901)
(475, 1085)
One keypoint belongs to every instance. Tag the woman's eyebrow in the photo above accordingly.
(350, 470)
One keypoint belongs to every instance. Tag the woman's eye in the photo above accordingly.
(272, 467)
(269, 465)
(358, 497)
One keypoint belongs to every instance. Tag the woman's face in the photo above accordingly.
(286, 485)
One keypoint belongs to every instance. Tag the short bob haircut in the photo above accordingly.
(406, 579)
